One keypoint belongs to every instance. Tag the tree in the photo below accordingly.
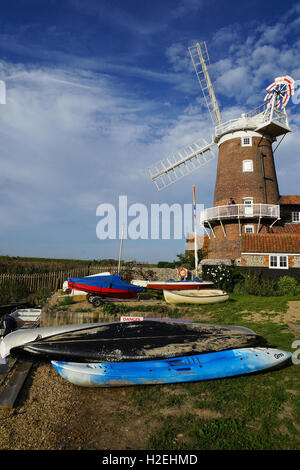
(187, 259)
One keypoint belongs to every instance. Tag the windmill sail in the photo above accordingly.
(182, 163)
(201, 62)
(191, 158)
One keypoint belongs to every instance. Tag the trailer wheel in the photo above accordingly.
(97, 301)
(90, 297)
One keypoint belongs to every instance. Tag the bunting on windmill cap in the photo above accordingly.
(279, 91)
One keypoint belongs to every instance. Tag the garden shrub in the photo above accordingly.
(40, 296)
(67, 300)
(110, 308)
(12, 291)
(287, 285)
(255, 285)
(222, 276)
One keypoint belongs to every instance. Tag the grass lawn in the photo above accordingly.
(249, 412)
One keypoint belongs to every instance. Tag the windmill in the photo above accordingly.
(269, 119)
(246, 194)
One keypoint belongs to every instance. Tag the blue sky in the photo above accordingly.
(96, 91)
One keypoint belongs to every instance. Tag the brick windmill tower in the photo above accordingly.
(246, 196)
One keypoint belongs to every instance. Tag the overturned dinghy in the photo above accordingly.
(136, 341)
(214, 365)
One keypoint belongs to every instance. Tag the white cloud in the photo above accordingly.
(82, 133)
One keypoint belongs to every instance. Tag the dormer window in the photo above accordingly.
(295, 217)
(249, 228)
(246, 141)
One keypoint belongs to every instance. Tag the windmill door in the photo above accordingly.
(248, 207)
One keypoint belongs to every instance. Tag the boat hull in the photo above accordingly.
(205, 296)
(19, 338)
(103, 291)
(209, 366)
(111, 286)
(132, 341)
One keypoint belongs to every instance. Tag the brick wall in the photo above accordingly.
(225, 247)
(231, 181)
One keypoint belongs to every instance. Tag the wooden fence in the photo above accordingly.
(51, 280)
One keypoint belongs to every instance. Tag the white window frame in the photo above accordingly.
(248, 227)
(295, 217)
(247, 166)
(278, 258)
(246, 141)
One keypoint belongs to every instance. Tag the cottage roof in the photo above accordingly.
(289, 200)
(271, 243)
(286, 228)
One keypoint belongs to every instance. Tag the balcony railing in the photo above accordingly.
(256, 119)
(239, 211)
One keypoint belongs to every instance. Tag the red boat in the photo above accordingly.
(105, 286)
(179, 285)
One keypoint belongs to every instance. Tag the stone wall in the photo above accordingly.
(216, 262)
(255, 260)
(159, 274)
(297, 261)
(153, 274)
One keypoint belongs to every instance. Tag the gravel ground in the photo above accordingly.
(52, 414)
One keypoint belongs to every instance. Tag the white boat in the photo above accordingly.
(20, 318)
(140, 282)
(26, 316)
(205, 296)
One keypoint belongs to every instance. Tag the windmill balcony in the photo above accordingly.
(261, 118)
(240, 211)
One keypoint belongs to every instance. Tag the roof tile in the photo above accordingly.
(271, 243)
(289, 199)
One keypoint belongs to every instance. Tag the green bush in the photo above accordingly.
(67, 300)
(166, 264)
(223, 276)
(287, 285)
(110, 308)
(13, 292)
(40, 296)
(254, 285)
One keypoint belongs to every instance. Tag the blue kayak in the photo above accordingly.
(199, 367)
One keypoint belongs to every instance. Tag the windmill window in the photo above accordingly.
(296, 217)
(247, 165)
(246, 141)
(249, 228)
